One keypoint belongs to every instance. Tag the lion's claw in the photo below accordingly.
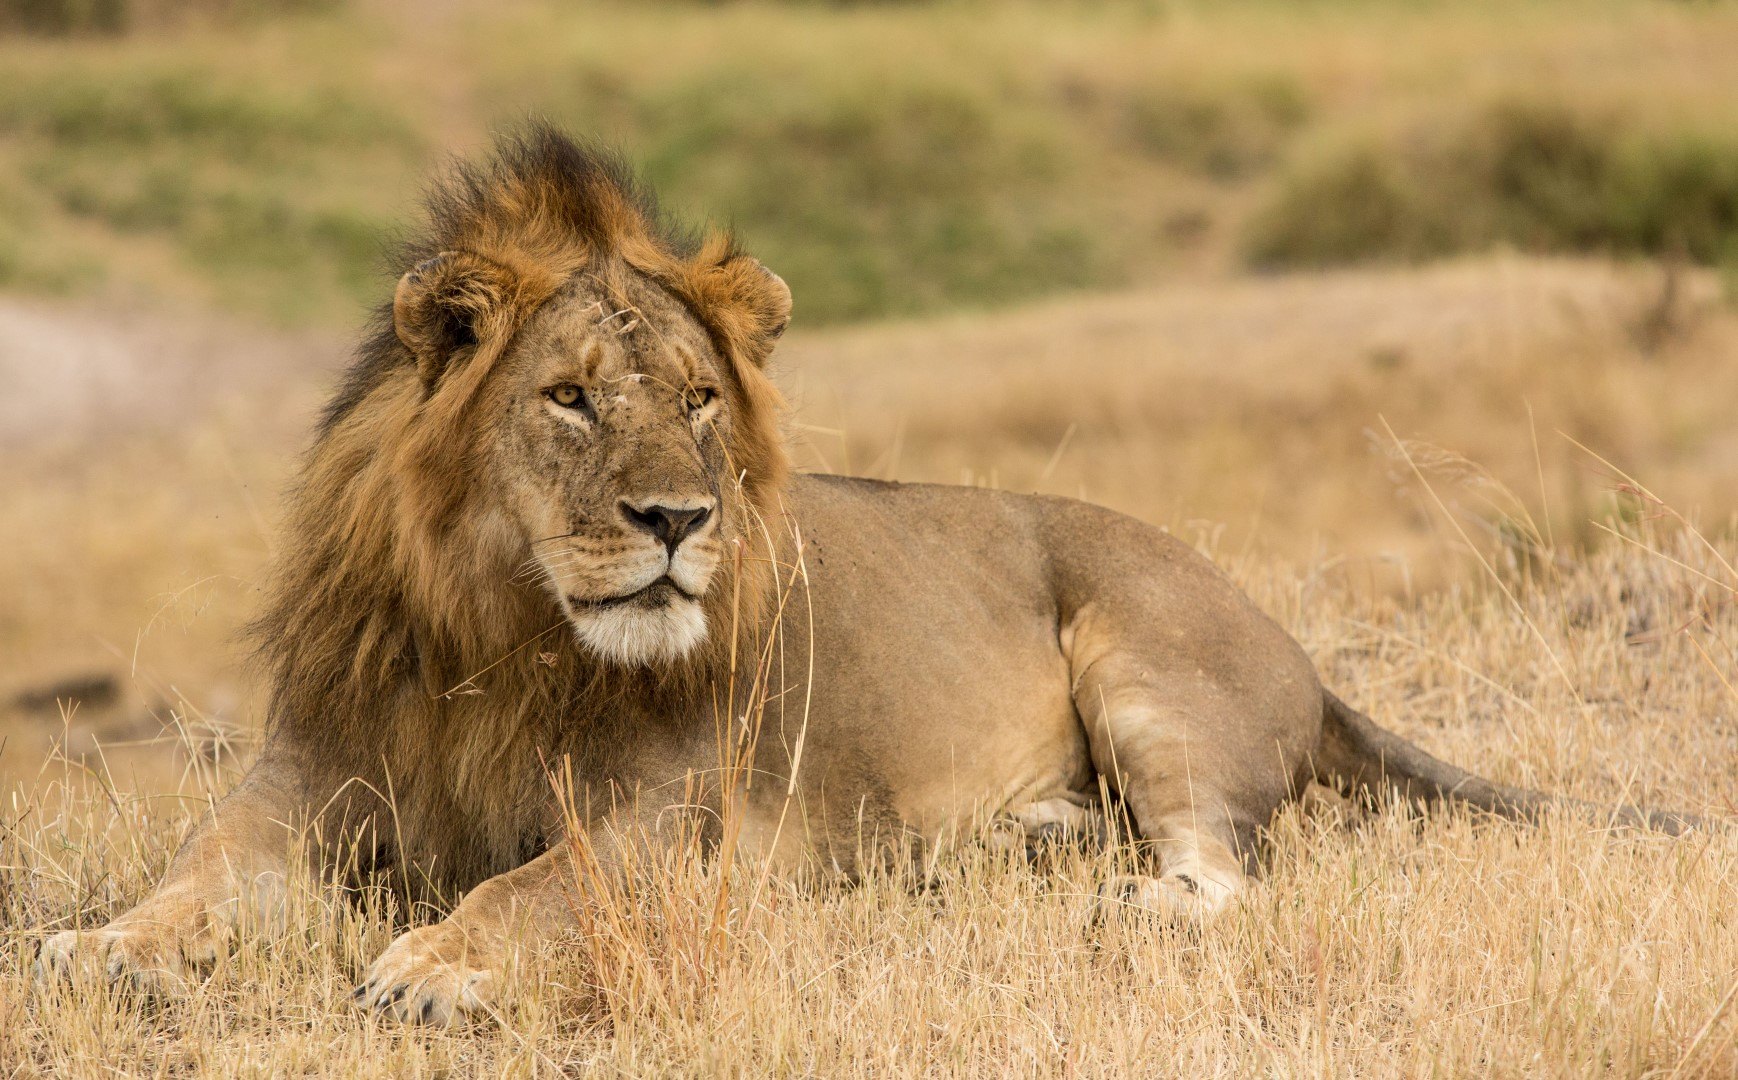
(143, 956)
(414, 981)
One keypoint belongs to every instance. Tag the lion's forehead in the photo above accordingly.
(616, 335)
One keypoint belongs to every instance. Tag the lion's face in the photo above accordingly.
(612, 458)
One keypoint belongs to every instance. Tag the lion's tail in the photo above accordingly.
(1358, 755)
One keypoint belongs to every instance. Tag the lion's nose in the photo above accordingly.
(670, 524)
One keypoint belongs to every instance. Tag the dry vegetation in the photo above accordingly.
(1578, 662)
(1425, 473)
(1446, 947)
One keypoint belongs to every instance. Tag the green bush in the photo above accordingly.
(64, 16)
(1226, 133)
(1541, 177)
(107, 17)
(238, 178)
(123, 112)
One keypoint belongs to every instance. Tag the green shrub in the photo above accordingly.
(1541, 177)
(68, 17)
(123, 112)
(64, 16)
(1226, 133)
(253, 186)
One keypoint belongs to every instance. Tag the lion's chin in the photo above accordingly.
(638, 634)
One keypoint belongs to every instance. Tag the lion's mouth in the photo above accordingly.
(656, 594)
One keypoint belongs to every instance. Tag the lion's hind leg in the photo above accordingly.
(1198, 759)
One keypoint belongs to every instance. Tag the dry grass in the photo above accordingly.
(1398, 947)
(1255, 408)
(1444, 947)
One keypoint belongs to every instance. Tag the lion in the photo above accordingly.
(549, 518)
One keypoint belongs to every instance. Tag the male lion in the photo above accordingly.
(563, 419)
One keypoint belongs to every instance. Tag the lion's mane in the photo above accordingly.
(388, 615)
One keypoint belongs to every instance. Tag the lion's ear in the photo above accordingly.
(768, 301)
(746, 304)
(445, 304)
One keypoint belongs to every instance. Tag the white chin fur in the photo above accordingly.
(635, 635)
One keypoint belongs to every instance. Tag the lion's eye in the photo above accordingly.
(567, 395)
(700, 397)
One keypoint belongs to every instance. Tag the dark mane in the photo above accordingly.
(587, 186)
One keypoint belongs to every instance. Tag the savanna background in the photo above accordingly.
(1420, 317)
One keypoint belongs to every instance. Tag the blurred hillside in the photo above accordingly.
(887, 158)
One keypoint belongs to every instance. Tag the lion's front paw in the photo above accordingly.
(432, 975)
(154, 955)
